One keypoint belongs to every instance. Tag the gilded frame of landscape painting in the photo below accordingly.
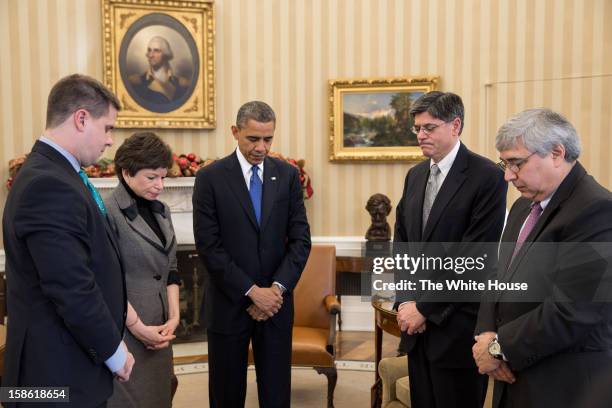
(174, 88)
(369, 118)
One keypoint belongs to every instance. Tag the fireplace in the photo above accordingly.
(191, 294)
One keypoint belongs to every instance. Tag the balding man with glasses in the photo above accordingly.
(453, 196)
(551, 345)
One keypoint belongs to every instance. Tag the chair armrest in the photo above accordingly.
(331, 304)
(390, 370)
(333, 308)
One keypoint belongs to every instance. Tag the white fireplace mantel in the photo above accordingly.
(177, 194)
(356, 314)
(177, 191)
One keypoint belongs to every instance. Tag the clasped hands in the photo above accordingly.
(487, 364)
(155, 337)
(410, 319)
(266, 302)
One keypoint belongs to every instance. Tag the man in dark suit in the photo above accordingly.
(455, 196)
(252, 233)
(552, 344)
(66, 297)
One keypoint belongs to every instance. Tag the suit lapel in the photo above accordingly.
(413, 202)
(238, 186)
(57, 158)
(563, 192)
(510, 236)
(454, 179)
(537, 229)
(270, 189)
(164, 224)
(60, 160)
(138, 224)
(417, 214)
(111, 235)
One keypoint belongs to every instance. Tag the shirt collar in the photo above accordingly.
(150, 77)
(71, 159)
(447, 162)
(129, 202)
(246, 166)
(546, 201)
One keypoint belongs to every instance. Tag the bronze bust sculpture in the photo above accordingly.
(379, 207)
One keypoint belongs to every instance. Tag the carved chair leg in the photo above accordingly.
(332, 377)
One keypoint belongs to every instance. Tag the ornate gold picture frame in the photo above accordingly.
(159, 59)
(369, 118)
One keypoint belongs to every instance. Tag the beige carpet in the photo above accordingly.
(308, 389)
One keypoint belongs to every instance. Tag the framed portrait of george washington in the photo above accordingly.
(370, 121)
(159, 60)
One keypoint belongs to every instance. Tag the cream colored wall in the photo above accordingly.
(500, 56)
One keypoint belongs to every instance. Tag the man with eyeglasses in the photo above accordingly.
(552, 346)
(454, 196)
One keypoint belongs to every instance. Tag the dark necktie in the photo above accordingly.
(430, 192)
(255, 187)
(534, 215)
(94, 193)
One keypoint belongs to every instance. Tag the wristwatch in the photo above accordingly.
(495, 349)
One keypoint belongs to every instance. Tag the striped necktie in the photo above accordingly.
(431, 191)
(94, 193)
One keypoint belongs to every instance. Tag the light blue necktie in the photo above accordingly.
(94, 193)
(255, 187)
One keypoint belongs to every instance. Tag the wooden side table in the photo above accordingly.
(385, 319)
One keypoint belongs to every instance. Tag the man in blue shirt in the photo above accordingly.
(66, 290)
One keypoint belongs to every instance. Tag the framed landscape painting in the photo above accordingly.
(370, 120)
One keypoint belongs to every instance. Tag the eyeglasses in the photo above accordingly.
(514, 165)
(427, 128)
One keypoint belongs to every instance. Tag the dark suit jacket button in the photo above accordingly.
(157, 277)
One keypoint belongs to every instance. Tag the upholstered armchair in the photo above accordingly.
(316, 309)
(393, 372)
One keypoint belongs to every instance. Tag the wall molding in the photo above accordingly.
(196, 368)
(177, 194)
(345, 246)
(356, 315)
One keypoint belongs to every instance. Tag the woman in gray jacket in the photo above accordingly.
(148, 254)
